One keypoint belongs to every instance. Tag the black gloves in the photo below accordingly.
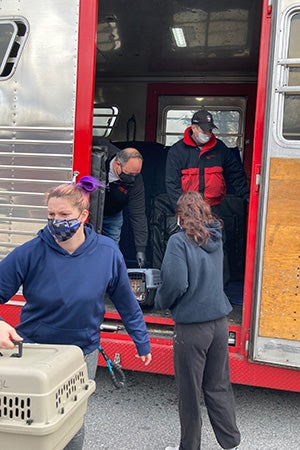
(141, 259)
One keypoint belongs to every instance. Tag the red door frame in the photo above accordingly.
(85, 89)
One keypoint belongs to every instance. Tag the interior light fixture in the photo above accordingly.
(178, 35)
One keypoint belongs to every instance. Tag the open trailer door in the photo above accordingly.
(276, 324)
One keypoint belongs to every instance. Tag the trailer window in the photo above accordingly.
(13, 34)
(227, 121)
(104, 120)
(291, 83)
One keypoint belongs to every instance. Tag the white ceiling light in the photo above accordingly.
(179, 37)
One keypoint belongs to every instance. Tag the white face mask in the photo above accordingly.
(202, 138)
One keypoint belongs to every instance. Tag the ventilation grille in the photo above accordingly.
(23, 408)
(15, 407)
(68, 390)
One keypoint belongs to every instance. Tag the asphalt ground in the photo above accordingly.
(143, 415)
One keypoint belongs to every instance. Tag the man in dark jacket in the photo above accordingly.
(201, 162)
(125, 186)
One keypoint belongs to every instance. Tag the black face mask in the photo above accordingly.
(127, 179)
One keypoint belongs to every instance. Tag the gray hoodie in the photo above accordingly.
(192, 279)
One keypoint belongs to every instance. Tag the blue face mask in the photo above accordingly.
(63, 229)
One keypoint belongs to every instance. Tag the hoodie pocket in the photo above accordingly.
(190, 180)
(47, 334)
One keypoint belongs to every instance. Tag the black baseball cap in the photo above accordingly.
(204, 119)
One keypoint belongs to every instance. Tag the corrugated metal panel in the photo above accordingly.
(37, 111)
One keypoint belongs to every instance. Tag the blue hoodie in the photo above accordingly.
(192, 279)
(64, 292)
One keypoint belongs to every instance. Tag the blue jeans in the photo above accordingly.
(112, 225)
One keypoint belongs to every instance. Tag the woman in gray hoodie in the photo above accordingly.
(192, 289)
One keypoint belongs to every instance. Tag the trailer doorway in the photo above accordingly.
(233, 109)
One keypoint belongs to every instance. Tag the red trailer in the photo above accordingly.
(84, 69)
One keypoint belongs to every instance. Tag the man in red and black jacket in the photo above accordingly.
(201, 162)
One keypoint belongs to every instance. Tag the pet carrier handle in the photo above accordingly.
(20, 349)
(116, 373)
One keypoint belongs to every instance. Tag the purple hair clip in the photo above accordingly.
(90, 184)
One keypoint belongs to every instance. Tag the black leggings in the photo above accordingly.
(201, 363)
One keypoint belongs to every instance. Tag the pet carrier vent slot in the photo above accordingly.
(15, 407)
(68, 389)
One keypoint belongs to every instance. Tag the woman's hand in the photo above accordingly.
(145, 358)
(7, 335)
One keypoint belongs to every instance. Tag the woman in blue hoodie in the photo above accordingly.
(192, 288)
(65, 272)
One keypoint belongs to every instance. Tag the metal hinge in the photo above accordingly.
(232, 338)
(257, 177)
